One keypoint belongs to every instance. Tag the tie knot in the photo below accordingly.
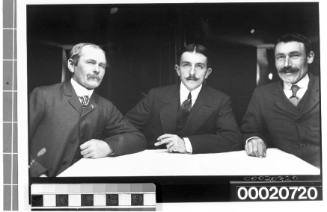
(84, 100)
(189, 97)
(294, 89)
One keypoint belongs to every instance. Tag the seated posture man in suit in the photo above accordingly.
(69, 120)
(286, 114)
(190, 117)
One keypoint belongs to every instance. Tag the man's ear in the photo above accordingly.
(70, 65)
(178, 70)
(209, 70)
(310, 57)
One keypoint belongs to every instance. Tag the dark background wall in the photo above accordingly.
(141, 42)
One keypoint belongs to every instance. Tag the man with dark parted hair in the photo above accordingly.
(189, 117)
(68, 121)
(286, 114)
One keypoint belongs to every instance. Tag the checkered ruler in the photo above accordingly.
(97, 196)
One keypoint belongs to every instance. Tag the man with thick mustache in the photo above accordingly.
(286, 114)
(69, 120)
(190, 117)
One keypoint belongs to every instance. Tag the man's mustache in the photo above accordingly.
(192, 77)
(286, 70)
(91, 76)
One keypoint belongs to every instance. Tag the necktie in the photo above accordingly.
(187, 104)
(183, 113)
(84, 100)
(294, 99)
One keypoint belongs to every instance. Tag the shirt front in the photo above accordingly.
(81, 90)
(183, 93)
(303, 87)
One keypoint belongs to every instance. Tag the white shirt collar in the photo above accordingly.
(183, 92)
(80, 90)
(303, 85)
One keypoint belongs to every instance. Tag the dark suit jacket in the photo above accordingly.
(271, 116)
(211, 126)
(59, 123)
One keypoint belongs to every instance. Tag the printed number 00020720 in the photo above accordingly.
(277, 193)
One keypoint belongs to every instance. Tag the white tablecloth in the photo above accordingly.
(162, 163)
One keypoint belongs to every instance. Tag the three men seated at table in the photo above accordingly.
(69, 121)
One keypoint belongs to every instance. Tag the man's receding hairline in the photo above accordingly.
(93, 46)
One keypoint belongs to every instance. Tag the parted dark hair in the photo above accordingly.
(75, 52)
(193, 47)
(296, 37)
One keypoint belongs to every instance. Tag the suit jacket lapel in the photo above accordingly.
(283, 105)
(311, 97)
(168, 112)
(75, 103)
(71, 96)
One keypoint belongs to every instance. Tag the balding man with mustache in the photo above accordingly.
(190, 117)
(68, 121)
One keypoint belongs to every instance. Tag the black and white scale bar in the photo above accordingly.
(93, 197)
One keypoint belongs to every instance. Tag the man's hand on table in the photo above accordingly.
(95, 148)
(255, 146)
(173, 142)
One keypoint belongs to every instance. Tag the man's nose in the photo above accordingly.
(192, 71)
(287, 62)
(96, 69)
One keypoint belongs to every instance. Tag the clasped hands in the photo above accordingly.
(256, 147)
(173, 142)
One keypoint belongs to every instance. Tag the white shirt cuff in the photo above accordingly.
(188, 145)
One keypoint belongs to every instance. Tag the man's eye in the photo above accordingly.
(295, 55)
(103, 66)
(90, 61)
(279, 57)
(200, 66)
